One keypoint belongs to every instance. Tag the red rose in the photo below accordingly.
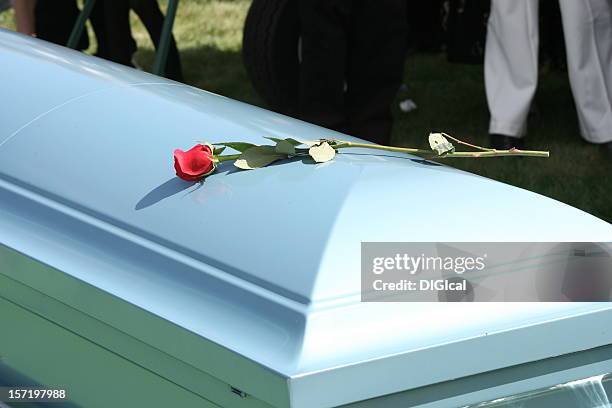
(195, 163)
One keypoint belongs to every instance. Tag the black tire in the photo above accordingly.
(270, 52)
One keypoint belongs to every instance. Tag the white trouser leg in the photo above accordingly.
(587, 25)
(511, 64)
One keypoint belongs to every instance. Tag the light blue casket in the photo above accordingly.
(130, 287)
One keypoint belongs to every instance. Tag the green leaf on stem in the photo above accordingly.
(274, 139)
(322, 152)
(293, 141)
(218, 150)
(440, 144)
(284, 147)
(239, 146)
(258, 156)
(310, 142)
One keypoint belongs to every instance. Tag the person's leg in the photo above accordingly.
(323, 26)
(98, 23)
(425, 31)
(120, 46)
(511, 64)
(55, 20)
(153, 19)
(377, 50)
(587, 25)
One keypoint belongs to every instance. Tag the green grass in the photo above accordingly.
(450, 97)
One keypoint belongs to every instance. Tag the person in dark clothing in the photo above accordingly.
(352, 58)
(119, 35)
(425, 30)
(54, 21)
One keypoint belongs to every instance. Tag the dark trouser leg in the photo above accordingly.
(153, 19)
(120, 44)
(54, 21)
(98, 22)
(375, 66)
(324, 25)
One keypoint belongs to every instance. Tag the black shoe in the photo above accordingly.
(503, 142)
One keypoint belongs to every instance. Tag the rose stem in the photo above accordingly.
(496, 153)
(486, 153)
(228, 157)
(466, 143)
(342, 145)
